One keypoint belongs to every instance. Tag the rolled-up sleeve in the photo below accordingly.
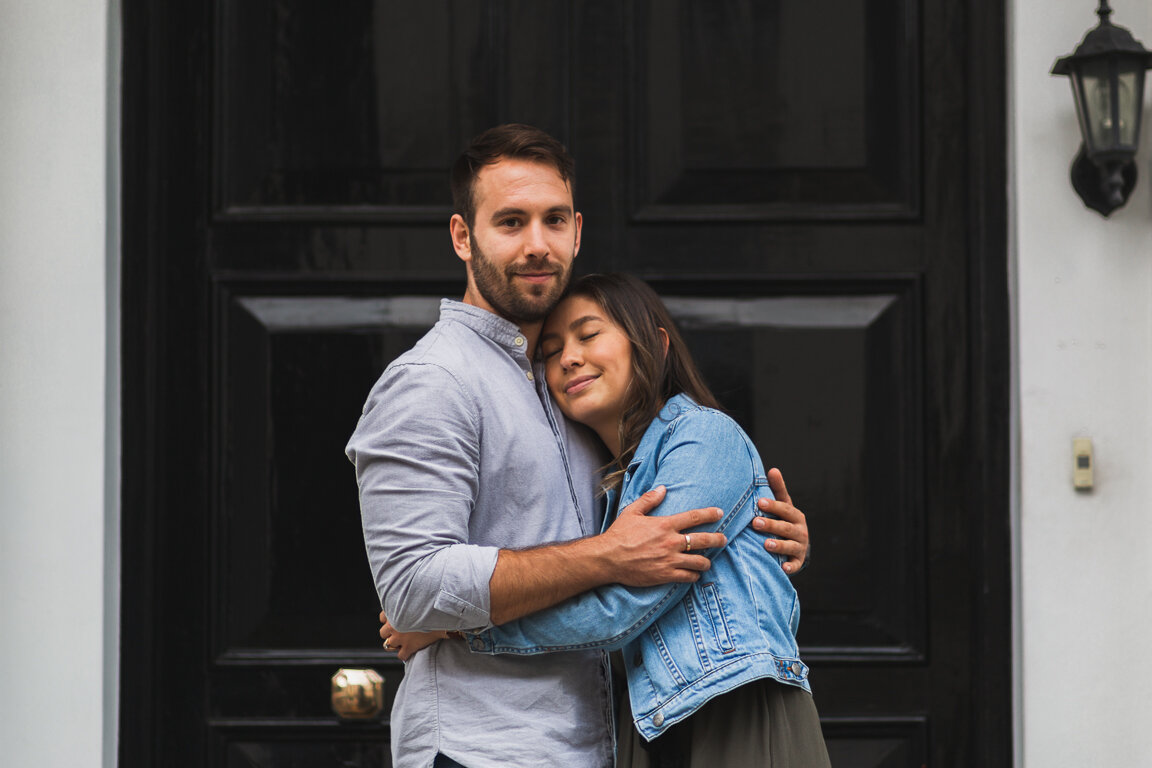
(703, 462)
(416, 452)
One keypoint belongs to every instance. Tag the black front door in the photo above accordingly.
(817, 189)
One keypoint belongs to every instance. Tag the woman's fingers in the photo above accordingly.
(385, 627)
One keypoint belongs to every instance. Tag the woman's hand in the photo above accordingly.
(406, 644)
(791, 528)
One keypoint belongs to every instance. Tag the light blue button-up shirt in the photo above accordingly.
(460, 452)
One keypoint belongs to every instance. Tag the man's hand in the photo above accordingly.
(406, 644)
(791, 528)
(650, 550)
(638, 550)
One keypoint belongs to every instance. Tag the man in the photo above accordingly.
(469, 477)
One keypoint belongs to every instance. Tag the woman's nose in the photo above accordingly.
(570, 358)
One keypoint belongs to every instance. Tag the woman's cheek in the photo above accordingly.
(553, 385)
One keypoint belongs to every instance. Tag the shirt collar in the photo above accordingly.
(489, 325)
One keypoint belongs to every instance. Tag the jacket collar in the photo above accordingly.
(673, 408)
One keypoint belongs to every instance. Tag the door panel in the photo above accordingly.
(253, 748)
(888, 744)
(293, 374)
(762, 111)
(355, 111)
(802, 192)
(827, 387)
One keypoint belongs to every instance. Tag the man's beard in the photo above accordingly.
(500, 291)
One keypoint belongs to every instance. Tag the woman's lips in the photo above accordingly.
(578, 384)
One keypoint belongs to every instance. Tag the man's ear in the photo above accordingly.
(461, 240)
(664, 340)
(579, 225)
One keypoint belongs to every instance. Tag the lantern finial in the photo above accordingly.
(1104, 12)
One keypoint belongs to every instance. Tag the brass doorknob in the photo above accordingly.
(357, 694)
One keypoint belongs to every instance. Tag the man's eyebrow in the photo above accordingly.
(513, 211)
(502, 212)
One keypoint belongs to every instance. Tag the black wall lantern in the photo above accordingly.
(1107, 72)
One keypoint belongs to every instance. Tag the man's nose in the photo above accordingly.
(535, 244)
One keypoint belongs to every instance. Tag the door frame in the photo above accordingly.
(165, 299)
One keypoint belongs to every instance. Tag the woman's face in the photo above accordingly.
(588, 365)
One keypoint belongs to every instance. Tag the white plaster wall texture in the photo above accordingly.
(1085, 370)
(53, 88)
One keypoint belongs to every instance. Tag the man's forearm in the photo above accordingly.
(637, 550)
(530, 580)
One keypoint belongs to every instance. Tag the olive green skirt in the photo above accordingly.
(764, 724)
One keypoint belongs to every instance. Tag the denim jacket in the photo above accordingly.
(683, 644)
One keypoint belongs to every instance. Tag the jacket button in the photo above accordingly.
(797, 669)
(658, 720)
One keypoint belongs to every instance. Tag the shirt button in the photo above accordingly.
(530, 376)
(658, 720)
(518, 341)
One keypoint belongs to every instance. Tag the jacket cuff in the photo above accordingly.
(479, 642)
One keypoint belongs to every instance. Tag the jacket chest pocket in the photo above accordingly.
(717, 620)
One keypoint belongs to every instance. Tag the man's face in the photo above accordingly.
(520, 249)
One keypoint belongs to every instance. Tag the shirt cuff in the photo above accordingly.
(462, 599)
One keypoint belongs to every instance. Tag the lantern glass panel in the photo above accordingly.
(1090, 83)
(1130, 93)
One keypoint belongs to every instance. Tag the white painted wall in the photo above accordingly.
(54, 92)
(1084, 340)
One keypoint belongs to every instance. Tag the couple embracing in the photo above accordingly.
(545, 478)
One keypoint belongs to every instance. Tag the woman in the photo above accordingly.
(713, 672)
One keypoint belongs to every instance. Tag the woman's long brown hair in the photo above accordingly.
(656, 376)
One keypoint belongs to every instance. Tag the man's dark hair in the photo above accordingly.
(510, 140)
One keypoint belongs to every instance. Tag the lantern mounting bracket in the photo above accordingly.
(1102, 188)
